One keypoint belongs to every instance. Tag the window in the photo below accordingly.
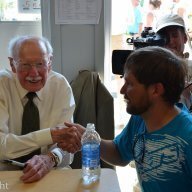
(20, 10)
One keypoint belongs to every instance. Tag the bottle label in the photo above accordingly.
(91, 155)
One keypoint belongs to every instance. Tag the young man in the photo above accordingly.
(32, 83)
(159, 134)
(172, 27)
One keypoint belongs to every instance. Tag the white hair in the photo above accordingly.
(16, 42)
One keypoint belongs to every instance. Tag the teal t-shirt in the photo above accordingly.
(134, 28)
(164, 157)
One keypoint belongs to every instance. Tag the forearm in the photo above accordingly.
(13, 146)
(110, 154)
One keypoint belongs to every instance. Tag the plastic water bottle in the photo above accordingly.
(90, 155)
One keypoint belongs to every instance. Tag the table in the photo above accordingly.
(68, 180)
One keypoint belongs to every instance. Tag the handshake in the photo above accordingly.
(68, 136)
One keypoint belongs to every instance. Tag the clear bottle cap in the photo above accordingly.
(90, 126)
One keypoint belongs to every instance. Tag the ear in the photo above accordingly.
(12, 64)
(51, 58)
(157, 90)
(185, 38)
(50, 63)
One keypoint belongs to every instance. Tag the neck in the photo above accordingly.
(156, 118)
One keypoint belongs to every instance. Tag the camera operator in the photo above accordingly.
(172, 27)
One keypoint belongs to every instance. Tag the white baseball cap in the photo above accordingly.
(169, 20)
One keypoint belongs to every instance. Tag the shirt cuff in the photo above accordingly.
(57, 152)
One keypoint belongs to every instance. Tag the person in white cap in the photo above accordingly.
(172, 27)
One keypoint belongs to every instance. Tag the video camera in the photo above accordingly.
(148, 38)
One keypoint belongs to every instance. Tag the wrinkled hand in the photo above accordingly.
(79, 127)
(36, 168)
(67, 138)
(73, 147)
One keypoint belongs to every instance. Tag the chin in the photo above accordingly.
(34, 89)
(132, 111)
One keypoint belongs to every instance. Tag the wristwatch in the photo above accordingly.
(54, 157)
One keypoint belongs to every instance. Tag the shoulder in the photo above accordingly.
(56, 84)
(6, 76)
(5, 73)
(184, 120)
(55, 75)
(7, 83)
(185, 127)
(135, 124)
(56, 79)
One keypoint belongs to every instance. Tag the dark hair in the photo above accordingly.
(155, 3)
(153, 64)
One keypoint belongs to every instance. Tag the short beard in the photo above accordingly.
(137, 110)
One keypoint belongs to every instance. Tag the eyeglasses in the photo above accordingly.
(41, 65)
(139, 148)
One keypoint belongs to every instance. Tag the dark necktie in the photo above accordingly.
(30, 123)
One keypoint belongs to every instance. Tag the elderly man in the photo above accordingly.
(34, 104)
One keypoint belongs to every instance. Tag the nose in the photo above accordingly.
(170, 42)
(122, 90)
(33, 70)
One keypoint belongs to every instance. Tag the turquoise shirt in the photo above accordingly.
(163, 157)
(134, 28)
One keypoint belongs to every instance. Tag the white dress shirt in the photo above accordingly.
(56, 105)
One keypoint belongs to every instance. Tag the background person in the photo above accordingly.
(158, 135)
(153, 13)
(134, 19)
(30, 60)
(179, 8)
(172, 26)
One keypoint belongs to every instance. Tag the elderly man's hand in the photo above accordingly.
(67, 138)
(79, 127)
(75, 146)
(36, 168)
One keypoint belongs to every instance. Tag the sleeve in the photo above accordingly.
(13, 146)
(124, 141)
(123, 146)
